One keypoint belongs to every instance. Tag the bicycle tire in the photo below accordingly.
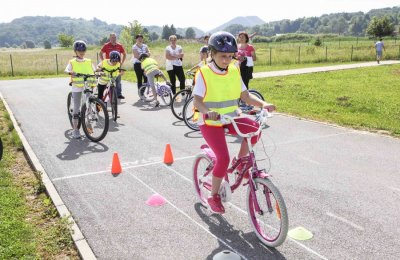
(178, 104)
(189, 116)
(243, 106)
(146, 94)
(70, 109)
(95, 120)
(276, 217)
(166, 98)
(114, 104)
(202, 173)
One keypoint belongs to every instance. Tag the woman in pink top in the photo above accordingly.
(247, 56)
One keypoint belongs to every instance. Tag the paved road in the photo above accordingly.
(342, 185)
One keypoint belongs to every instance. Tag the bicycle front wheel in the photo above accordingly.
(95, 119)
(202, 174)
(146, 94)
(178, 102)
(114, 104)
(191, 115)
(267, 213)
(166, 97)
(70, 110)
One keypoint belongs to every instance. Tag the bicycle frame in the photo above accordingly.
(247, 162)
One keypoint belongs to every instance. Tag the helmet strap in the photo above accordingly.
(221, 69)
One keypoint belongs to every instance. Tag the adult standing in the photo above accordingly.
(174, 55)
(138, 49)
(113, 45)
(379, 47)
(247, 56)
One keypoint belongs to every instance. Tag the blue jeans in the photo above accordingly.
(118, 85)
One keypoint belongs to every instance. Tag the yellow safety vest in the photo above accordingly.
(149, 65)
(83, 67)
(104, 79)
(222, 91)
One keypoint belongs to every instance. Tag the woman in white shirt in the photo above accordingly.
(137, 49)
(174, 55)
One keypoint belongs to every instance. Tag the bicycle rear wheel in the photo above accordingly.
(146, 94)
(270, 222)
(245, 107)
(114, 104)
(190, 115)
(70, 110)
(178, 102)
(95, 120)
(202, 174)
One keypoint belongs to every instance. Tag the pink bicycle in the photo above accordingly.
(265, 205)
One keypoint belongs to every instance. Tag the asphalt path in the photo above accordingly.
(342, 185)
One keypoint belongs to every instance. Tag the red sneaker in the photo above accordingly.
(215, 204)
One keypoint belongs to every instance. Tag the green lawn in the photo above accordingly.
(30, 227)
(366, 98)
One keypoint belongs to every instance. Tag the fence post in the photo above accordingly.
(339, 43)
(270, 60)
(351, 57)
(326, 53)
(12, 67)
(299, 54)
(97, 57)
(56, 64)
(357, 41)
(399, 52)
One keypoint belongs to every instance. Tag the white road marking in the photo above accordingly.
(309, 160)
(187, 216)
(394, 188)
(245, 212)
(346, 221)
(135, 165)
(188, 180)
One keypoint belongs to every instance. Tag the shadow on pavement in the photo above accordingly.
(78, 147)
(246, 244)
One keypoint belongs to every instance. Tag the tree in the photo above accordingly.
(190, 33)
(380, 27)
(128, 33)
(154, 36)
(103, 40)
(47, 44)
(29, 44)
(65, 40)
(166, 32)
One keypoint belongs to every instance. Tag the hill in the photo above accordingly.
(245, 21)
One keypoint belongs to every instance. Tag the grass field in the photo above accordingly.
(366, 98)
(30, 227)
(270, 56)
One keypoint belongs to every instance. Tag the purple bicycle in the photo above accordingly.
(265, 205)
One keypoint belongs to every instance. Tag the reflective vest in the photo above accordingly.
(222, 91)
(104, 79)
(149, 65)
(83, 67)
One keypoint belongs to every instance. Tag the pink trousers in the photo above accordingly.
(215, 138)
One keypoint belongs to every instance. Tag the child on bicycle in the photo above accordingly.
(110, 64)
(78, 65)
(151, 70)
(217, 89)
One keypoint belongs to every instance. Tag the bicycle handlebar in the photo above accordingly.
(261, 117)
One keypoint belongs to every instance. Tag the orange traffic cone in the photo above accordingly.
(168, 157)
(116, 165)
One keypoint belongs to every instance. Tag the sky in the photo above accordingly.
(203, 14)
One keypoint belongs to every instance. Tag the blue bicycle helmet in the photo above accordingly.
(115, 56)
(222, 42)
(79, 46)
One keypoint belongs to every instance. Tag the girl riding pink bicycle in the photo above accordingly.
(218, 86)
